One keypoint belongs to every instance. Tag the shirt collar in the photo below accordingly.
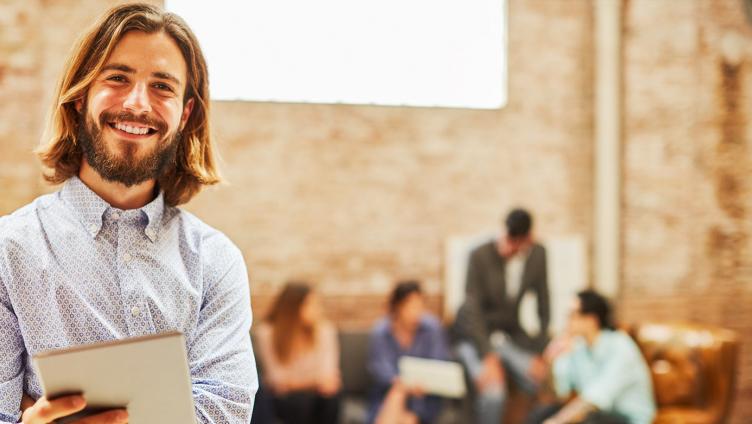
(90, 208)
(154, 211)
(600, 348)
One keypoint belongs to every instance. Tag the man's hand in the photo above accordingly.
(26, 402)
(416, 391)
(538, 370)
(46, 411)
(557, 347)
(409, 418)
(573, 412)
(492, 373)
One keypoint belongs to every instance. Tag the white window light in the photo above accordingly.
(445, 53)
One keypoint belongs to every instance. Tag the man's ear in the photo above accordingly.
(187, 109)
(79, 104)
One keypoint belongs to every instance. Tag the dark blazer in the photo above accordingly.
(487, 308)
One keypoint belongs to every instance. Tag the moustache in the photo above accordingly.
(158, 125)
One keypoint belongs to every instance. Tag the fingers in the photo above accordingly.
(409, 418)
(115, 416)
(45, 411)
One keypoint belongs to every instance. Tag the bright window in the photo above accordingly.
(446, 53)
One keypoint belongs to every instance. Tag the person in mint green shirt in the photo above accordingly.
(599, 372)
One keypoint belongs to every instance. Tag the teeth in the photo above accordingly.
(132, 130)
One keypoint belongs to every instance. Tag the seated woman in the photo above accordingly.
(299, 353)
(407, 330)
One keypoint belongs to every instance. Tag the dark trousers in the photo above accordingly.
(307, 408)
(263, 410)
(542, 413)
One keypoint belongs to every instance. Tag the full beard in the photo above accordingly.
(126, 168)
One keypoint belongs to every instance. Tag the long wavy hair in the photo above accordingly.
(286, 323)
(195, 160)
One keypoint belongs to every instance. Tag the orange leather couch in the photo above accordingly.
(693, 367)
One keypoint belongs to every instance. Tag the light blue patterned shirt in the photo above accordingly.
(611, 374)
(74, 270)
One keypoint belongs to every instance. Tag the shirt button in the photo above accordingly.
(135, 311)
(93, 228)
(115, 216)
(127, 257)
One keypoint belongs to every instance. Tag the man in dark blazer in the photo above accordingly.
(491, 342)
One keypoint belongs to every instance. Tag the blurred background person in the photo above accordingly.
(599, 372)
(299, 353)
(491, 342)
(410, 330)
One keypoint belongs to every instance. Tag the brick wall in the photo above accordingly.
(354, 197)
(687, 164)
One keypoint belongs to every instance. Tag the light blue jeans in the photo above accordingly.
(489, 404)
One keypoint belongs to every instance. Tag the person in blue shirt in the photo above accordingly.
(599, 372)
(111, 255)
(407, 330)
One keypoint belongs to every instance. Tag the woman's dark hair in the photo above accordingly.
(284, 317)
(518, 223)
(592, 303)
(401, 291)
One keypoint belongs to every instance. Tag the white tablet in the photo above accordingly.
(442, 378)
(146, 375)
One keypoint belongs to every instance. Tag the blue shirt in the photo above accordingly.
(611, 375)
(74, 270)
(384, 354)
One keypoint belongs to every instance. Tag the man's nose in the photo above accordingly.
(137, 100)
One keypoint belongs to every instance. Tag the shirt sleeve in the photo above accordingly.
(617, 375)
(473, 321)
(439, 346)
(563, 373)
(222, 365)
(429, 407)
(272, 369)
(382, 362)
(329, 352)
(12, 354)
(544, 303)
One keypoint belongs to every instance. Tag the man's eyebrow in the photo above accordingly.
(118, 67)
(166, 76)
(127, 69)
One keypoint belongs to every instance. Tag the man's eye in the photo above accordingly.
(116, 78)
(164, 87)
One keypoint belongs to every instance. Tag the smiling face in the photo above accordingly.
(135, 109)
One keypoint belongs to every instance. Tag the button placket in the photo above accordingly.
(131, 299)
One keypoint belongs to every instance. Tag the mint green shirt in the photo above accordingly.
(611, 375)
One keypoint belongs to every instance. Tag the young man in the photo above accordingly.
(408, 330)
(110, 255)
(491, 340)
(599, 372)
